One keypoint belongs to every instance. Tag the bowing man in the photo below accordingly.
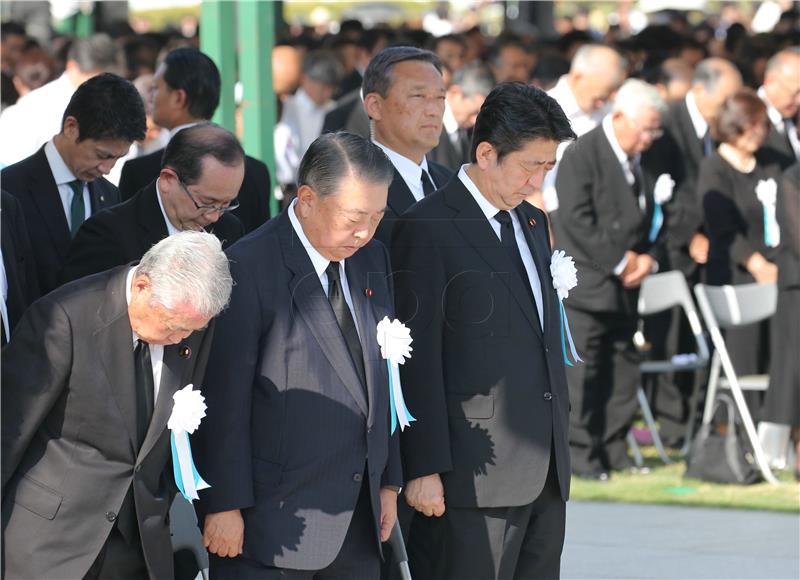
(297, 449)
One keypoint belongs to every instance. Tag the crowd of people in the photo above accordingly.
(427, 179)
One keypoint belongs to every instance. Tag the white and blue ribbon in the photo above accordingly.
(397, 404)
(566, 337)
(658, 221)
(772, 236)
(187, 479)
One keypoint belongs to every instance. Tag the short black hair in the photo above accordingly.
(195, 73)
(333, 156)
(107, 107)
(514, 114)
(11, 28)
(186, 150)
(378, 76)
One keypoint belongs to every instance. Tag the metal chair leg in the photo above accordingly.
(638, 460)
(651, 424)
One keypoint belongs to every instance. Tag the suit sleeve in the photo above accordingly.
(724, 221)
(36, 366)
(22, 241)
(420, 281)
(94, 249)
(127, 182)
(577, 215)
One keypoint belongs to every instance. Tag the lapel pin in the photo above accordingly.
(532, 222)
(102, 198)
(185, 352)
(368, 292)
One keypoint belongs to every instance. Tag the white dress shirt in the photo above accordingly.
(156, 350)
(321, 263)
(783, 126)
(581, 123)
(409, 170)
(490, 211)
(450, 124)
(698, 122)
(305, 118)
(63, 176)
(4, 297)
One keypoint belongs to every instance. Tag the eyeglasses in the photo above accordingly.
(652, 133)
(208, 208)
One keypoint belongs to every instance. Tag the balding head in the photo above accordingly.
(596, 73)
(782, 82)
(715, 79)
(286, 68)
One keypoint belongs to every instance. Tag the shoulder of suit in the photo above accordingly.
(143, 160)
(24, 167)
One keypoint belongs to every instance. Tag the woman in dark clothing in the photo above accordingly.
(738, 185)
(782, 401)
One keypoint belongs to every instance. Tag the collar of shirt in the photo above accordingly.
(179, 127)
(61, 173)
(156, 350)
(698, 122)
(774, 115)
(319, 261)
(171, 229)
(449, 120)
(409, 171)
(487, 208)
(621, 156)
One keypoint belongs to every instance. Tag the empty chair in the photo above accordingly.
(185, 533)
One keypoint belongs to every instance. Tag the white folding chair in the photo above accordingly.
(725, 307)
(185, 533)
(658, 293)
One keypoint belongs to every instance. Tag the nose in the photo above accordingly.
(537, 178)
(106, 166)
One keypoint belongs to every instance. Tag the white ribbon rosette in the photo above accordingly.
(565, 278)
(767, 194)
(188, 409)
(662, 193)
(395, 340)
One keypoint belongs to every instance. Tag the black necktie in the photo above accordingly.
(345, 319)
(636, 170)
(427, 184)
(145, 388)
(708, 144)
(509, 242)
(77, 209)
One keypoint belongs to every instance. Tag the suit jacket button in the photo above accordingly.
(548, 396)
(357, 477)
(111, 516)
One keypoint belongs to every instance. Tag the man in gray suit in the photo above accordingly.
(88, 380)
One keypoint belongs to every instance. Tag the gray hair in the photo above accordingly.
(780, 59)
(474, 79)
(95, 53)
(334, 156)
(635, 95)
(378, 76)
(324, 67)
(710, 71)
(188, 268)
(593, 59)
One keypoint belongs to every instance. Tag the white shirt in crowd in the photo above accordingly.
(409, 171)
(156, 350)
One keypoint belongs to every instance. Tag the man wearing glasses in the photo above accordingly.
(201, 173)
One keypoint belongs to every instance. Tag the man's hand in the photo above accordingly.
(426, 494)
(763, 271)
(630, 264)
(698, 248)
(223, 533)
(643, 266)
(388, 512)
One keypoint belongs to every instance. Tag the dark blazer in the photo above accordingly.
(450, 155)
(254, 195)
(780, 145)
(401, 198)
(349, 115)
(23, 285)
(788, 214)
(599, 218)
(291, 430)
(485, 383)
(124, 233)
(69, 442)
(31, 182)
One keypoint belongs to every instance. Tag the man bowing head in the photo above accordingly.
(304, 471)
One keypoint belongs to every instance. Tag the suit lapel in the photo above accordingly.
(542, 260)
(316, 311)
(619, 189)
(152, 227)
(97, 196)
(694, 146)
(478, 234)
(400, 197)
(44, 193)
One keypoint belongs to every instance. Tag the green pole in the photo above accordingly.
(218, 41)
(256, 38)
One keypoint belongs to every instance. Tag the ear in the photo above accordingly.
(486, 155)
(140, 287)
(306, 198)
(179, 98)
(372, 105)
(71, 129)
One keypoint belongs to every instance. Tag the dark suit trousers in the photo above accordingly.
(358, 559)
(118, 559)
(602, 390)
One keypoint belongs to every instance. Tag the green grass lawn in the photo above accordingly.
(664, 484)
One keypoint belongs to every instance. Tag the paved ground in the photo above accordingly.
(606, 540)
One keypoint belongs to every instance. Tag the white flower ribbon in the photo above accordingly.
(395, 340)
(188, 409)
(767, 193)
(662, 193)
(565, 278)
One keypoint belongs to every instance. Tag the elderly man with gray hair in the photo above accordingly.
(611, 189)
(88, 383)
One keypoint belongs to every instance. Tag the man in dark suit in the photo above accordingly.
(185, 92)
(605, 221)
(88, 384)
(61, 185)
(781, 94)
(486, 382)
(20, 286)
(404, 97)
(304, 472)
(203, 168)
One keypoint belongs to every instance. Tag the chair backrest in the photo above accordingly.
(666, 290)
(185, 533)
(732, 306)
